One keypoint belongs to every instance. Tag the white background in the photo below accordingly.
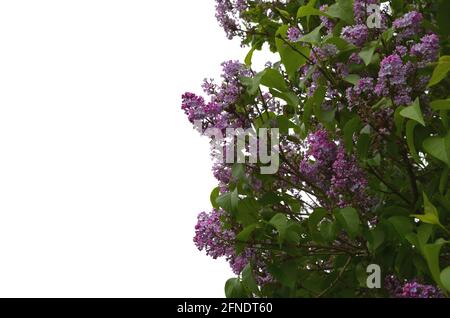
(101, 175)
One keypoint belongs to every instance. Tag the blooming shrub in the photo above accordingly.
(364, 148)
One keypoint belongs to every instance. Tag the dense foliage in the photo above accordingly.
(362, 105)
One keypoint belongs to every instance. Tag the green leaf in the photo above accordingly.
(293, 55)
(285, 273)
(440, 104)
(289, 97)
(229, 201)
(445, 278)
(342, 9)
(313, 36)
(410, 126)
(399, 121)
(424, 233)
(243, 237)
(367, 52)
(324, 116)
(348, 218)
(443, 8)
(328, 230)
(340, 43)
(431, 215)
(414, 112)
(438, 147)
(213, 197)
(248, 280)
(313, 103)
(431, 253)
(284, 13)
(441, 70)
(249, 56)
(238, 171)
(429, 207)
(443, 181)
(402, 224)
(247, 211)
(234, 288)
(350, 128)
(363, 146)
(280, 222)
(308, 10)
(252, 83)
(273, 79)
(377, 237)
(388, 34)
(352, 78)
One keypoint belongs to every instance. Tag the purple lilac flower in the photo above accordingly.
(410, 289)
(321, 147)
(328, 166)
(356, 35)
(427, 51)
(293, 34)
(216, 241)
(393, 75)
(361, 93)
(210, 235)
(324, 52)
(227, 14)
(408, 25)
(328, 23)
(401, 50)
(348, 181)
(414, 289)
(193, 106)
(317, 162)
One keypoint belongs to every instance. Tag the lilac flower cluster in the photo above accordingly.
(408, 25)
(328, 23)
(328, 166)
(357, 35)
(212, 237)
(293, 34)
(228, 13)
(392, 80)
(427, 51)
(410, 289)
(229, 91)
(196, 109)
(361, 94)
(348, 183)
(222, 98)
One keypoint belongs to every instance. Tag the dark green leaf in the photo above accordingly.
(445, 278)
(342, 9)
(414, 112)
(367, 52)
(234, 288)
(273, 79)
(348, 218)
(441, 104)
(313, 36)
(352, 126)
(438, 147)
(213, 197)
(441, 70)
(248, 280)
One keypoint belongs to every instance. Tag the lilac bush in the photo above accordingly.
(362, 113)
